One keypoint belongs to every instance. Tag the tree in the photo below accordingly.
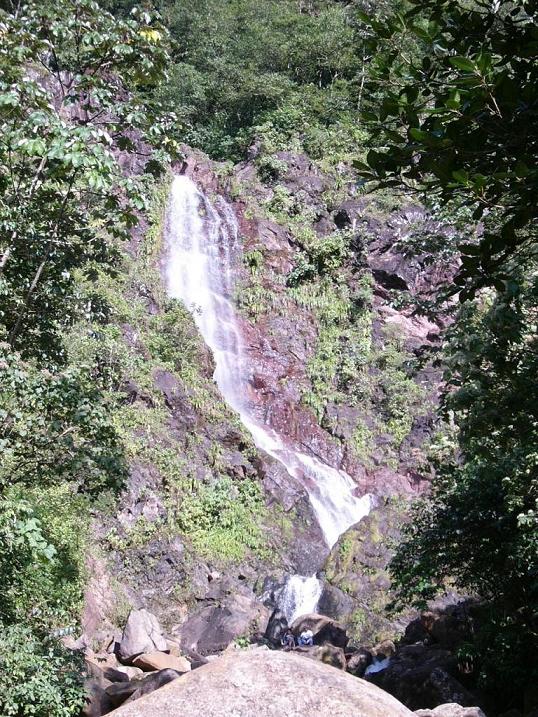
(72, 118)
(479, 527)
(459, 119)
(80, 144)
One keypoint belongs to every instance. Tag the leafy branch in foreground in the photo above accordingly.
(72, 117)
(459, 118)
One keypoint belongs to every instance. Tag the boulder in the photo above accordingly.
(384, 649)
(324, 628)
(423, 677)
(106, 666)
(328, 654)
(276, 626)
(150, 661)
(132, 673)
(142, 634)
(130, 691)
(335, 603)
(451, 710)
(265, 683)
(358, 661)
(214, 627)
(97, 702)
(120, 692)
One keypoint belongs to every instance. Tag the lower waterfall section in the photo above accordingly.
(300, 595)
(202, 246)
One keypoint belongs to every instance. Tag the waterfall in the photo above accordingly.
(299, 596)
(202, 244)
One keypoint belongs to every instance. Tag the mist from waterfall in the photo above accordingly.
(202, 247)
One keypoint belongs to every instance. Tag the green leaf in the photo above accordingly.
(463, 63)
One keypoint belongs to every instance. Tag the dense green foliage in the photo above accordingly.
(459, 121)
(238, 62)
(458, 115)
(62, 121)
(72, 117)
(38, 677)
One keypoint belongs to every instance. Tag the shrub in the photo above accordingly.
(38, 677)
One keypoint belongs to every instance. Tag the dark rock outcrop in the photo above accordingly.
(421, 677)
(214, 627)
(326, 631)
(121, 693)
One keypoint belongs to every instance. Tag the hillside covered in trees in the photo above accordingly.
(364, 175)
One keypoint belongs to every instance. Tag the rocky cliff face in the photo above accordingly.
(324, 392)
(341, 367)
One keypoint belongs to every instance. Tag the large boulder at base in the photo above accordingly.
(326, 631)
(329, 654)
(150, 661)
(214, 627)
(142, 633)
(451, 710)
(265, 683)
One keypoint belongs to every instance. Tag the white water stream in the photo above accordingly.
(202, 245)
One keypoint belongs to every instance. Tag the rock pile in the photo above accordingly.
(419, 674)
(141, 662)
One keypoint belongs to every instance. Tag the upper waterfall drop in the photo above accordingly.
(202, 245)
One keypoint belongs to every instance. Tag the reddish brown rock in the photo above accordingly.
(161, 661)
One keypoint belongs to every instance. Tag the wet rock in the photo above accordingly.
(161, 661)
(358, 661)
(423, 677)
(276, 627)
(281, 485)
(326, 630)
(142, 633)
(328, 654)
(451, 710)
(266, 683)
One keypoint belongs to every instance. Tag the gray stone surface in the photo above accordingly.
(451, 710)
(265, 683)
(142, 633)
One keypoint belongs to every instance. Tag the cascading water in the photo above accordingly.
(202, 244)
(299, 596)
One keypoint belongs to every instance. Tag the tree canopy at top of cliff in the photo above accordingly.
(236, 63)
